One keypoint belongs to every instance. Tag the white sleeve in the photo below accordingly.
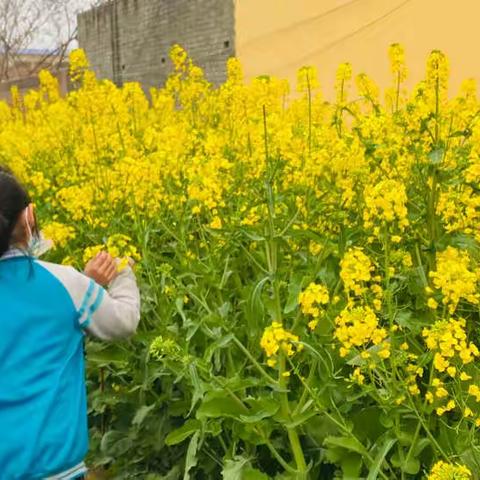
(118, 311)
(107, 315)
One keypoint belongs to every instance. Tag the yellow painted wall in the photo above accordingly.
(277, 37)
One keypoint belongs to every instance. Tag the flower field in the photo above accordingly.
(309, 269)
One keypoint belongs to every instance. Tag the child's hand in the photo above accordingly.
(102, 268)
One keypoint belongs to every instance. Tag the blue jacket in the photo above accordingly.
(45, 310)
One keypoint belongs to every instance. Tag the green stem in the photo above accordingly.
(388, 292)
(309, 89)
(431, 219)
(303, 398)
(397, 98)
(222, 443)
(414, 442)
(273, 267)
(417, 431)
(262, 372)
(291, 431)
(430, 436)
(437, 110)
(279, 458)
(341, 424)
(258, 430)
(420, 266)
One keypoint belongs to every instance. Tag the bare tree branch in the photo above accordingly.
(27, 24)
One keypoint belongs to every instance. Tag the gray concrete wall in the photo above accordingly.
(130, 40)
(32, 82)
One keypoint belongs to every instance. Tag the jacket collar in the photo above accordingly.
(13, 253)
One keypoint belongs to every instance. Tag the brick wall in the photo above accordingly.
(129, 40)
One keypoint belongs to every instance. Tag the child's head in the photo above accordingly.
(17, 220)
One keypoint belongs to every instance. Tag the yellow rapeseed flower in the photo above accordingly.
(356, 270)
(58, 233)
(446, 471)
(276, 338)
(454, 278)
(312, 298)
(358, 327)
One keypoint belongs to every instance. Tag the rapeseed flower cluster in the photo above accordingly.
(356, 271)
(454, 278)
(459, 208)
(164, 347)
(311, 301)
(307, 79)
(118, 246)
(276, 339)
(58, 233)
(396, 54)
(448, 340)
(414, 373)
(342, 85)
(386, 202)
(447, 471)
(358, 328)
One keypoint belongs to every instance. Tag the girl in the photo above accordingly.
(45, 310)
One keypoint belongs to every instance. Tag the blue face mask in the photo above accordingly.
(33, 245)
(38, 245)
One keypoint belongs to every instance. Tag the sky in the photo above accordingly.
(53, 29)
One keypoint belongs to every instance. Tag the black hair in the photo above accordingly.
(13, 201)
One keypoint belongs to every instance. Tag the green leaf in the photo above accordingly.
(191, 459)
(302, 417)
(367, 424)
(237, 382)
(106, 356)
(386, 420)
(115, 443)
(319, 428)
(404, 319)
(405, 438)
(233, 469)
(253, 474)
(436, 156)
(351, 466)
(224, 310)
(141, 414)
(254, 236)
(239, 468)
(379, 458)
(348, 443)
(465, 242)
(173, 474)
(255, 309)
(217, 344)
(459, 133)
(248, 433)
(395, 459)
(180, 434)
(294, 289)
(217, 404)
(220, 406)
(260, 409)
(198, 386)
(411, 467)
(214, 427)
(421, 445)
(179, 306)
